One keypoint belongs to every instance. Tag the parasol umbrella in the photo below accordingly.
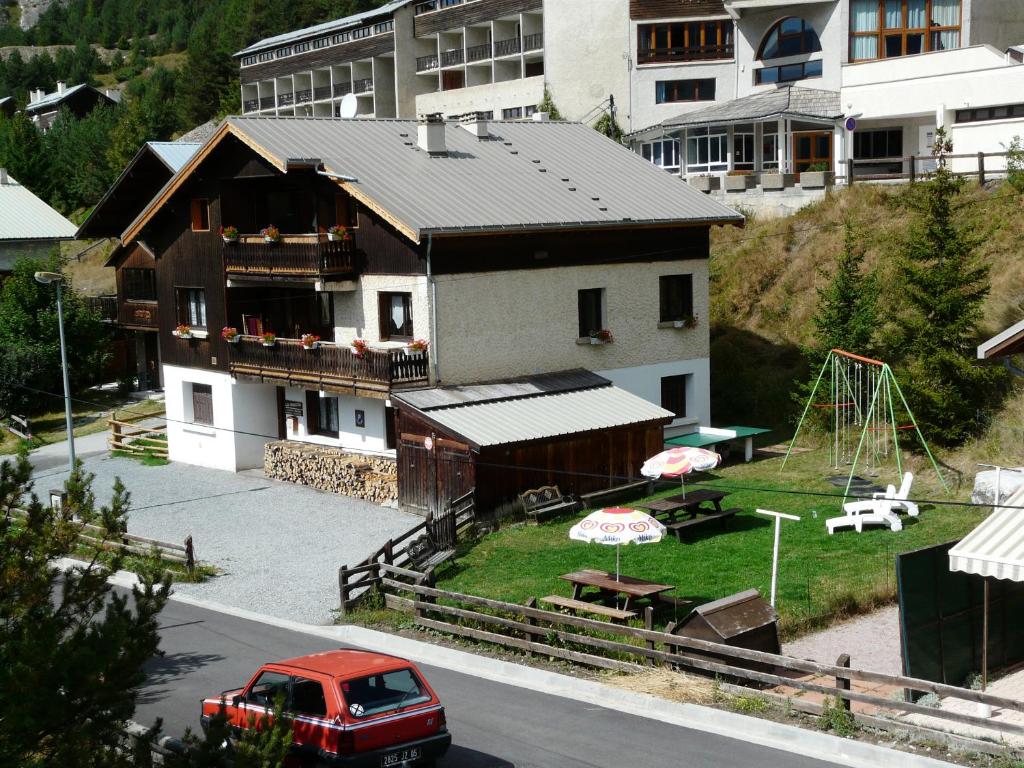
(618, 526)
(679, 462)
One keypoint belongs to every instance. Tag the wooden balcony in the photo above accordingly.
(331, 367)
(138, 314)
(685, 53)
(296, 256)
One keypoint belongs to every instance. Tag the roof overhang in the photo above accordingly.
(1009, 342)
(735, 8)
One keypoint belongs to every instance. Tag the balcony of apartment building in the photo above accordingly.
(676, 43)
(306, 256)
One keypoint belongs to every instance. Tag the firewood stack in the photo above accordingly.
(372, 478)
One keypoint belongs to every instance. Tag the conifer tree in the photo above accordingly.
(847, 313)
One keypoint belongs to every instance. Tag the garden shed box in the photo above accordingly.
(743, 620)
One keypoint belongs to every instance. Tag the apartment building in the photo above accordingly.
(469, 252)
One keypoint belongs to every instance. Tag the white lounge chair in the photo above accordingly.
(891, 500)
(857, 520)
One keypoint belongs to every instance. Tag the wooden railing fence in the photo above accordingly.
(625, 648)
(917, 167)
(127, 435)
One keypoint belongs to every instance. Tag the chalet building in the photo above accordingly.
(134, 310)
(488, 243)
(28, 226)
(79, 99)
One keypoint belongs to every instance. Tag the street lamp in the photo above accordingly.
(46, 278)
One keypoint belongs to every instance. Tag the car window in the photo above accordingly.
(381, 693)
(308, 698)
(266, 687)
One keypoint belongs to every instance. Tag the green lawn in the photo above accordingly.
(820, 576)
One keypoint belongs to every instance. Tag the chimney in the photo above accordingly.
(3, 177)
(430, 134)
(32, 96)
(61, 86)
(541, 117)
(475, 123)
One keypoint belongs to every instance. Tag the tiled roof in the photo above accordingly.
(785, 101)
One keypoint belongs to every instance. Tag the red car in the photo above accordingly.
(349, 708)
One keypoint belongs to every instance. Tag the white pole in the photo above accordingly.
(775, 548)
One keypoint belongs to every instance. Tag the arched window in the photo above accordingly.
(789, 37)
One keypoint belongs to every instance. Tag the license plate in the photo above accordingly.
(401, 756)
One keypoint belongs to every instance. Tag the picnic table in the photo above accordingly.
(609, 586)
(690, 505)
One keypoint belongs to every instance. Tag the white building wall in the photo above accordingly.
(355, 312)
(645, 381)
(489, 97)
(646, 111)
(372, 438)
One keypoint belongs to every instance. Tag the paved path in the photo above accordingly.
(493, 725)
(278, 545)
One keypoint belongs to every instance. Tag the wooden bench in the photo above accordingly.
(424, 555)
(581, 605)
(546, 502)
(681, 526)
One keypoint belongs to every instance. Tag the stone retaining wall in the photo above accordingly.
(372, 478)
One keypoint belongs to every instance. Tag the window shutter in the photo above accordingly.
(383, 315)
(312, 412)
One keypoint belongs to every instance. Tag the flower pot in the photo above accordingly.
(269, 343)
(234, 339)
(678, 323)
(230, 239)
(738, 183)
(594, 340)
(184, 335)
(776, 181)
(332, 237)
(703, 183)
(269, 240)
(312, 346)
(817, 179)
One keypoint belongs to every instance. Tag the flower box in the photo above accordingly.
(338, 232)
(817, 179)
(704, 183)
(268, 339)
(776, 181)
(738, 183)
(230, 335)
(183, 332)
(360, 347)
(310, 341)
(229, 234)
(685, 322)
(271, 235)
(604, 336)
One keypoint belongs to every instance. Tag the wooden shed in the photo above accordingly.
(573, 429)
(743, 620)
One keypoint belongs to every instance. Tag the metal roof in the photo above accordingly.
(996, 547)
(23, 216)
(1008, 342)
(524, 175)
(785, 101)
(325, 27)
(526, 386)
(54, 99)
(517, 420)
(174, 154)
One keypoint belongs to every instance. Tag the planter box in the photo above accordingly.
(704, 183)
(817, 179)
(738, 183)
(776, 181)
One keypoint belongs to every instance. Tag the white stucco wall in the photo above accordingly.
(645, 381)
(372, 438)
(481, 337)
(490, 97)
(244, 419)
(585, 55)
(355, 312)
(646, 112)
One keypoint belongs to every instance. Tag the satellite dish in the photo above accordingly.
(348, 106)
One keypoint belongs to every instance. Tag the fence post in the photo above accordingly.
(843, 683)
(849, 171)
(981, 169)
(343, 588)
(649, 626)
(389, 553)
(912, 168)
(190, 555)
(115, 435)
(532, 637)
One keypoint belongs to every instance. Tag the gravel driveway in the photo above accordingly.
(872, 640)
(278, 546)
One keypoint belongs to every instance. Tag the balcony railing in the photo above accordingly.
(451, 58)
(533, 42)
(104, 306)
(363, 85)
(692, 53)
(427, 63)
(507, 47)
(299, 256)
(138, 314)
(304, 97)
(322, 92)
(285, 99)
(478, 52)
(329, 366)
(436, 5)
(267, 102)
(342, 89)
(251, 105)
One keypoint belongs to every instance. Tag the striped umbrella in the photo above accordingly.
(618, 526)
(679, 462)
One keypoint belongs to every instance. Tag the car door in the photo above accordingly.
(258, 699)
(308, 707)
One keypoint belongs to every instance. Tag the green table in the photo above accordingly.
(705, 437)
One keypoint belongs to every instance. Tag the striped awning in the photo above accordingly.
(996, 547)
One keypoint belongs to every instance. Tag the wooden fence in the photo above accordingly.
(918, 167)
(624, 648)
(126, 435)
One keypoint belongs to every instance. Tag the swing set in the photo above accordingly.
(862, 415)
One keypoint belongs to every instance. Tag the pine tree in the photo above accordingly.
(944, 283)
(547, 104)
(847, 314)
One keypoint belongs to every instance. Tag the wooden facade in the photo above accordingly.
(318, 58)
(675, 9)
(469, 14)
(433, 472)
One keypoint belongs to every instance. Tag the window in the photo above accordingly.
(664, 153)
(989, 113)
(529, 110)
(266, 688)
(202, 404)
(769, 149)
(889, 28)
(139, 284)
(453, 79)
(533, 68)
(707, 150)
(671, 91)
(307, 698)
(687, 41)
(328, 412)
(346, 211)
(789, 37)
(872, 145)
(191, 307)
(395, 315)
(673, 394)
(372, 695)
(200, 215)
(513, 113)
(787, 73)
(675, 297)
(590, 303)
(743, 147)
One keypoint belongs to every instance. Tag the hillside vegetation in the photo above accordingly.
(764, 290)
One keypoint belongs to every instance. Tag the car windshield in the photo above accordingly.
(383, 692)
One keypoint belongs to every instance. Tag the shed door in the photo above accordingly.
(433, 472)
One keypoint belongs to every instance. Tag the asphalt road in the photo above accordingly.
(492, 724)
